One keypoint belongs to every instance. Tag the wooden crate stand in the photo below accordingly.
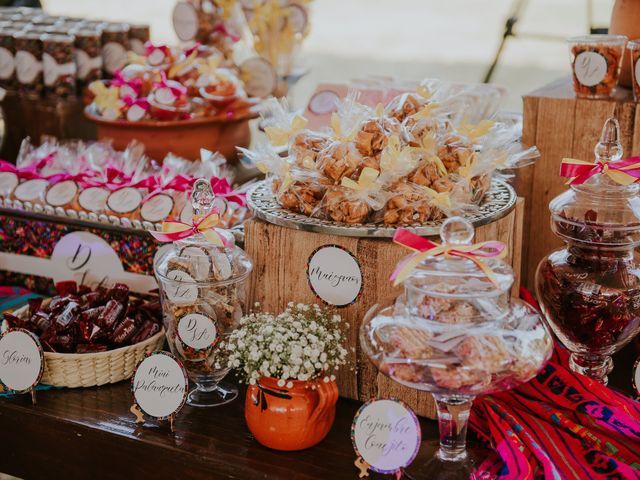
(279, 276)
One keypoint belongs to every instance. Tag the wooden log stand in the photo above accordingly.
(561, 125)
(280, 257)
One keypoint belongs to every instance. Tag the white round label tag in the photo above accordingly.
(197, 331)
(114, 57)
(259, 76)
(180, 291)
(21, 360)
(386, 434)
(590, 68)
(125, 200)
(185, 21)
(157, 208)
(323, 102)
(160, 385)
(27, 67)
(8, 181)
(30, 190)
(7, 63)
(334, 275)
(93, 199)
(62, 193)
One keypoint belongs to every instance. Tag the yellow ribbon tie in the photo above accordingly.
(336, 126)
(393, 156)
(206, 228)
(179, 67)
(426, 111)
(106, 98)
(280, 136)
(442, 200)
(473, 132)
(134, 58)
(379, 111)
(368, 177)
(464, 251)
(466, 170)
(424, 92)
(617, 175)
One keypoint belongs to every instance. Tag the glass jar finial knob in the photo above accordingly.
(609, 148)
(202, 197)
(456, 231)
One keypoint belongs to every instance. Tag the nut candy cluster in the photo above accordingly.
(81, 320)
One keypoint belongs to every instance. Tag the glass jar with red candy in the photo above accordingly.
(589, 290)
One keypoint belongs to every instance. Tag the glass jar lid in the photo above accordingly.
(196, 258)
(604, 208)
(451, 275)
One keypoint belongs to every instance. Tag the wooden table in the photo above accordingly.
(89, 433)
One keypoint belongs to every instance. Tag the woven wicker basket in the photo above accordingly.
(74, 370)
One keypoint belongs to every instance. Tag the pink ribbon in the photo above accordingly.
(188, 51)
(222, 28)
(221, 188)
(149, 48)
(29, 172)
(180, 183)
(580, 171)
(173, 230)
(118, 81)
(424, 248)
(115, 179)
(177, 89)
(129, 101)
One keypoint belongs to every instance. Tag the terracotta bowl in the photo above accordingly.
(184, 138)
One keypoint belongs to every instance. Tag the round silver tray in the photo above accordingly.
(498, 202)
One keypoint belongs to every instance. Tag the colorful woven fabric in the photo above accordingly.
(13, 298)
(560, 425)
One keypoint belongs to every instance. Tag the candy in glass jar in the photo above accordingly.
(29, 62)
(139, 34)
(203, 285)
(88, 45)
(59, 67)
(589, 290)
(455, 333)
(115, 44)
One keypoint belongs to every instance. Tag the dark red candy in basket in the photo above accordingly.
(68, 287)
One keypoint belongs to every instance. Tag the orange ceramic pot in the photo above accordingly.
(184, 138)
(290, 418)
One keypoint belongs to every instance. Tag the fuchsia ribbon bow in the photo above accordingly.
(149, 48)
(177, 89)
(180, 183)
(624, 172)
(173, 230)
(221, 188)
(424, 248)
(29, 172)
(118, 80)
(188, 51)
(129, 101)
(222, 28)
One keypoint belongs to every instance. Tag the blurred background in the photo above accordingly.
(410, 39)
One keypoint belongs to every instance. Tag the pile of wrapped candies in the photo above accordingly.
(95, 182)
(425, 155)
(81, 320)
(167, 83)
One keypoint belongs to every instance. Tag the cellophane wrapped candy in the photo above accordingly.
(428, 160)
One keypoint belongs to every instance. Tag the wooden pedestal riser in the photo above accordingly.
(279, 276)
(561, 125)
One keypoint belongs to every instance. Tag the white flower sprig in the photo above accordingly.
(302, 343)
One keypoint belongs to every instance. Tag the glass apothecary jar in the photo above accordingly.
(203, 288)
(456, 333)
(589, 290)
